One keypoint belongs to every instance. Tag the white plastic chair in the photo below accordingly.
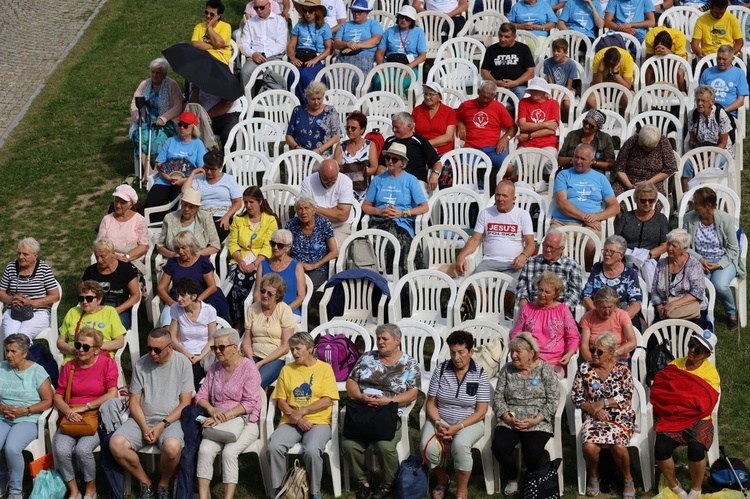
(455, 74)
(667, 123)
(344, 102)
(706, 157)
(296, 165)
(331, 449)
(392, 77)
(342, 76)
(661, 97)
(616, 126)
(281, 198)
(385, 18)
(466, 163)
(630, 205)
(433, 23)
(415, 338)
(483, 26)
(379, 239)
(249, 168)
(357, 305)
(382, 123)
(508, 99)
(726, 200)
(742, 13)
(607, 95)
(530, 165)
(462, 47)
(260, 444)
(665, 68)
(380, 103)
(490, 290)
(456, 206)
(525, 199)
(533, 42)
(483, 332)
(559, 93)
(578, 44)
(681, 18)
(281, 67)
(257, 135)
(427, 290)
(274, 105)
(439, 245)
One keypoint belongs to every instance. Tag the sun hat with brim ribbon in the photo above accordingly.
(397, 149)
(311, 3)
(707, 338)
(192, 196)
(360, 6)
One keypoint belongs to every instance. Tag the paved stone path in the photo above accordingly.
(36, 34)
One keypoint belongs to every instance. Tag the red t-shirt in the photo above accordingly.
(536, 112)
(89, 384)
(484, 125)
(430, 128)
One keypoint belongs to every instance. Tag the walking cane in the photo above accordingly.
(140, 103)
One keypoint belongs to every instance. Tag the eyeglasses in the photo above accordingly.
(351, 128)
(695, 348)
(87, 298)
(596, 351)
(82, 346)
(430, 95)
(609, 252)
(157, 350)
(588, 124)
(550, 247)
(183, 125)
(221, 348)
(647, 201)
(258, 8)
(209, 14)
(392, 159)
(211, 168)
(275, 244)
(267, 292)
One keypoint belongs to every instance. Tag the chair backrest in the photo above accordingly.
(342, 76)
(456, 74)
(483, 26)
(681, 18)
(296, 165)
(255, 134)
(630, 42)
(703, 158)
(484, 331)
(525, 199)
(382, 123)
(343, 101)
(560, 93)
(466, 163)
(457, 206)
(281, 198)
(348, 329)
(426, 295)
(489, 290)
(391, 6)
(661, 97)
(530, 165)
(726, 200)
(576, 239)
(248, 168)
(274, 105)
(385, 18)
(435, 24)
(393, 76)
(381, 103)
(534, 42)
(508, 99)
(462, 47)
(379, 240)
(667, 123)
(283, 68)
(607, 96)
(439, 245)
(742, 13)
(416, 338)
(665, 69)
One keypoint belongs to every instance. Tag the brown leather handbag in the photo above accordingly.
(89, 424)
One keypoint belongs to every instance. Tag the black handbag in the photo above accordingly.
(363, 422)
(26, 312)
(400, 58)
(305, 55)
(542, 482)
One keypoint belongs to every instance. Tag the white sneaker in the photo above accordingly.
(694, 494)
(511, 488)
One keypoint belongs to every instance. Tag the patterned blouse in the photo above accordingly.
(640, 165)
(539, 393)
(312, 131)
(312, 248)
(372, 375)
(626, 284)
(689, 279)
(707, 130)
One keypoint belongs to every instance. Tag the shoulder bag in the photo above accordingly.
(227, 432)
(25, 312)
(689, 311)
(89, 423)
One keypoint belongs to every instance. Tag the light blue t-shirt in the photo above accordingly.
(311, 38)
(560, 73)
(353, 32)
(630, 11)
(219, 194)
(410, 42)
(728, 84)
(577, 16)
(539, 13)
(403, 192)
(21, 388)
(176, 148)
(586, 191)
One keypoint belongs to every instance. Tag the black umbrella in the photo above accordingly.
(204, 70)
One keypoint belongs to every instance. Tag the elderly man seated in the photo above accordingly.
(424, 162)
(264, 38)
(485, 124)
(583, 196)
(333, 192)
(728, 81)
(214, 34)
(506, 233)
(551, 259)
(510, 64)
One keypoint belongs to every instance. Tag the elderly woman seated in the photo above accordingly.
(607, 316)
(603, 390)
(314, 126)
(190, 217)
(156, 104)
(589, 133)
(644, 157)
(29, 290)
(126, 228)
(708, 125)
(684, 395)
(291, 270)
(526, 400)
(454, 415)
(314, 244)
(679, 288)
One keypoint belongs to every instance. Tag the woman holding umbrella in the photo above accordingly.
(311, 42)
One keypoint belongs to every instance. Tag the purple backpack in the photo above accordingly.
(338, 351)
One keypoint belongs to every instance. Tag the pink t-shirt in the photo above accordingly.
(243, 388)
(554, 328)
(615, 324)
(125, 235)
(535, 112)
(89, 384)
(484, 125)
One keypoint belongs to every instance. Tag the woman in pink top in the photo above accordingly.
(607, 316)
(126, 228)
(231, 390)
(94, 381)
(550, 323)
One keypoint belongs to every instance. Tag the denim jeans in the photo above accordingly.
(14, 437)
(721, 278)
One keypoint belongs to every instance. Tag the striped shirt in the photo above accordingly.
(35, 286)
(458, 400)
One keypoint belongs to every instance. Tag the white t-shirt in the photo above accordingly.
(342, 192)
(503, 232)
(193, 335)
(335, 10)
(441, 5)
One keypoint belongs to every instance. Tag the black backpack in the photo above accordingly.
(658, 356)
(720, 475)
(41, 355)
(717, 112)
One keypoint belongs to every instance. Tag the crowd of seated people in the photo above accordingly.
(227, 369)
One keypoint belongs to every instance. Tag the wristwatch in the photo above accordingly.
(606, 402)
(166, 423)
(88, 406)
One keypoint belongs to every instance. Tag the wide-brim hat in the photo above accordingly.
(408, 11)
(707, 339)
(311, 3)
(360, 6)
(540, 84)
(192, 196)
(397, 149)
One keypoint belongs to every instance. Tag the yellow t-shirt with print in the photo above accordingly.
(714, 33)
(678, 40)
(301, 386)
(106, 320)
(626, 66)
(224, 30)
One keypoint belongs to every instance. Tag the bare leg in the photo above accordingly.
(229, 489)
(170, 458)
(667, 469)
(128, 458)
(442, 482)
(622, 459)
(697, 470)
(591, 456)
(204, 488)
(462, 484)
(73, 488)
(90, 488)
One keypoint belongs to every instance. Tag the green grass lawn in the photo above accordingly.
(61, 164)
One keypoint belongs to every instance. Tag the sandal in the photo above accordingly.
(511, 488)
(439, 491)
(628, 484)
(592, 487)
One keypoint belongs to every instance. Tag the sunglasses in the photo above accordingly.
(221, 348)
(392, 159)
(211, 168)
(80, 346)
(589, 124)
(307, 11)
(87, 299)
(275, 244)
(209, 14)
(647, 201)
(157, 350)
(695, 348)
(267, 292)
(183, 125)
(258, 8)
(351, 128)
(596, 351)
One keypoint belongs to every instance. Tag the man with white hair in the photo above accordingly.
(424, 162)
(728, 81)
(334, 193)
